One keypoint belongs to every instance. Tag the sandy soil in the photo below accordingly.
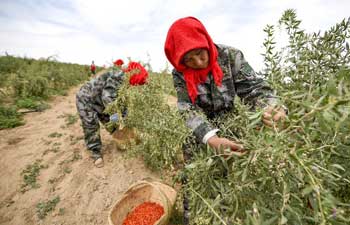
(86, 193)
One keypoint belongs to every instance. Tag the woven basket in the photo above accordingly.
(124, 137)
(143, 191)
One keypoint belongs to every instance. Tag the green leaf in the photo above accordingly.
(307, 190)
(338, 167)
(190, 166)
(331, 87)
(270, 221)
(255, 116)
(245, 173)
(209, 162)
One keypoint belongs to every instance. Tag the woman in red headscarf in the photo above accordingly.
(207, 78)
(94, 96)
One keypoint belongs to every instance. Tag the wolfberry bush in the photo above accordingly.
(296, 173)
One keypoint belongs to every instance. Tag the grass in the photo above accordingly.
(55, 134)
(32, 103)
(61, 211)
(54, 149)
(75, 140)
(67, 170)
(53, 180)
(43, 208)
(9, 117)
(30, 174)
(70, 119)
(76, 156)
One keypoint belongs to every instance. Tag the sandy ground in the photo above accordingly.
(86, 193)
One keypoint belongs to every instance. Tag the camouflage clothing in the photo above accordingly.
(239, 79)
(91, 101)
(212, 101)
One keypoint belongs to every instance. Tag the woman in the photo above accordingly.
(207, 78)
(94, 96)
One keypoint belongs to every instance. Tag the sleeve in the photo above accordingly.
(252, 89)
(112, 85)
(195, 118)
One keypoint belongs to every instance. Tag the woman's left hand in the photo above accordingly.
(273, 114)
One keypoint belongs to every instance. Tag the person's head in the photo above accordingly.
(196, 59)
(191, 51)
(188, 45)
(93, 62)
(138, 73)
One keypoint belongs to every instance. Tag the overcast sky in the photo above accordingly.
(80, 31)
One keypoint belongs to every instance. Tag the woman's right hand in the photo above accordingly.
(220, 144)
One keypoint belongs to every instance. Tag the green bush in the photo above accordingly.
(296, 175)
(161, 129)
(9, 117)
(26, 82)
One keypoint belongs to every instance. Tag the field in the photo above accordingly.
(295, 173)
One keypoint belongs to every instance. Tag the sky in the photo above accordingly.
(79, 31)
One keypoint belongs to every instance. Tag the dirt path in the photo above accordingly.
(82, 193)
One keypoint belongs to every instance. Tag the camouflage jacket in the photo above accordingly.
(239, 79)
(103, 89)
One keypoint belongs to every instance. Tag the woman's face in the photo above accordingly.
(197, 58)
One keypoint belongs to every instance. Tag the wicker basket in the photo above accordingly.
(124, 137)
(144, 191)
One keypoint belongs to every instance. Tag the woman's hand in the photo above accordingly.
(273, 114)
(220, 144)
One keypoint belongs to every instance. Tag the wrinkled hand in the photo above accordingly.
(222, 144)
(273, 114)
(114, 118)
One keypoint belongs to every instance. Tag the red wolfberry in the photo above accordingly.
(145, 214)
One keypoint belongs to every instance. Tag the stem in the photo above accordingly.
(284, 196)
(209, 206)
(315, 185)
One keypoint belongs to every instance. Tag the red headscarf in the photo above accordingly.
(118, 62)
(139, 73)
(185, 35)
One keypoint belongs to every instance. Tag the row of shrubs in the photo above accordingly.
(28, 83)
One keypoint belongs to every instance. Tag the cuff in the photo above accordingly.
(209, 135)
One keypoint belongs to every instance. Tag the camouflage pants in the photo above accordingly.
(90, 120)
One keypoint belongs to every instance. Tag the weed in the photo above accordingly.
(67, 170)
(9, 117)
(54, 149)
(32, 103)
(61, 211)
(69, 118)
(28, 82)
(55, 135)
(43, 208)
(52, 180)
(30, 174)
(76, 156)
